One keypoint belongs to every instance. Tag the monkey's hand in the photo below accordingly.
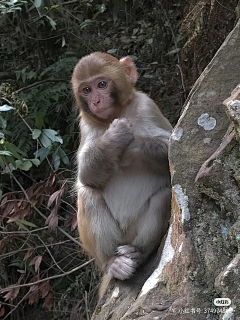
(101, 159)
(120, 133)
(124, 264)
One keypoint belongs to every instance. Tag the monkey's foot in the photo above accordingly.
(125, 263)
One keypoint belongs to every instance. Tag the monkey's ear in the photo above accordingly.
(130, 68)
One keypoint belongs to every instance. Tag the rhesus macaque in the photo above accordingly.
(123, 183)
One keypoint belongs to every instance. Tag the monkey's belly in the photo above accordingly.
(127, 194)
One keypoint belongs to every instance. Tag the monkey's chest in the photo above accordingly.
(128, 192)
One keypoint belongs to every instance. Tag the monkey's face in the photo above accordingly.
(103, 86)
(96, 96)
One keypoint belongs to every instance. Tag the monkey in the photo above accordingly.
(123, 179)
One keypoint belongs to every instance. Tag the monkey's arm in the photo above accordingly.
(148, 149)
(156, 147)
(98, 160)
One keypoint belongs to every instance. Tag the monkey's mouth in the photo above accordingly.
(101, 110)
(103, 113)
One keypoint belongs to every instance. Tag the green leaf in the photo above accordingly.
(24, 77)
(1, 137)
(134, 58)
(147, 76)
(45, 141)
(27, 223)
(70, 53)
(18, 222)
(36, 133)
(11, 160)
(36, 162)
(39, 120)
(3, 122)
(107, 41)
(63, 156)
(56, 161)
(37, 3)
(18, 74)
(11, 147)
(6, 107)
(1, 194)
(85, 23)
(9, 168)
(96, 14)
(5, 153)
(111, 51)
(42, 153)
(15, 151)
(52, 135)
(101, 7)
(173, 52)
(31, 75)
(52, 22)
(2, 163)
(17, 263)
(25, 165)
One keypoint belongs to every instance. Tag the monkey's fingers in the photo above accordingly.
(121, 121)
(126, 249)
(129, 251)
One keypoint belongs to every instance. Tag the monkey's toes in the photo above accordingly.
(122, 268)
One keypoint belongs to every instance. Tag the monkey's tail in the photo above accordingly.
(104, 285)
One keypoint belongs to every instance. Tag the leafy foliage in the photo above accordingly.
(35, 122)
(43, 103)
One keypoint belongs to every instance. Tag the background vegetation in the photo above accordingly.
(43, 274)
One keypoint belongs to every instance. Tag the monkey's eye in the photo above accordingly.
(86, 90)
(102, 84)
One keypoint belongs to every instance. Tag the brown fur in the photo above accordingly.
(85, 233)
(103, 64)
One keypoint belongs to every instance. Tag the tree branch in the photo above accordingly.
(46, 279)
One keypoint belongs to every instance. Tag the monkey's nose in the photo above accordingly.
(96, 102)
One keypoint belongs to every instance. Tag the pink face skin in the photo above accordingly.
(97, 94)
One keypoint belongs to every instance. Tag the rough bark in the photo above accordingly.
(199, 260)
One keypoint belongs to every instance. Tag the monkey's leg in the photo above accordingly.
(153, 225)
(151, 228)
(99, 231)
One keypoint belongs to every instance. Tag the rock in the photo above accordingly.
(227, 282)
(233, 109)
